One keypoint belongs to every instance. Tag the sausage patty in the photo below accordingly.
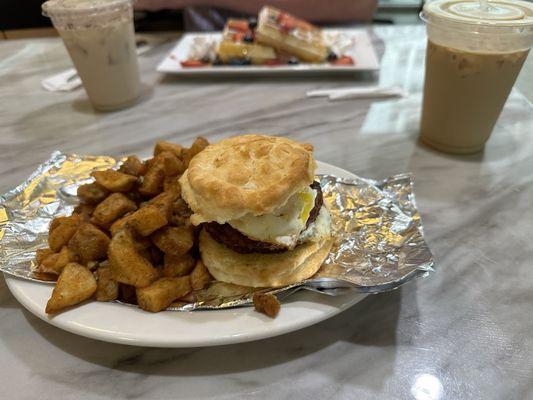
(240, 243)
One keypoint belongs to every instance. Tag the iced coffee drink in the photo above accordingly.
(99, 37)
(470, 70)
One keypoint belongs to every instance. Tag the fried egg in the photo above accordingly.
(284, 225)
(319, 229)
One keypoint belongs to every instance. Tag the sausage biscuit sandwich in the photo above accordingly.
(263, 221)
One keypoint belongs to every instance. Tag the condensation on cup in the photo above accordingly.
(475, 52)
(99, 37)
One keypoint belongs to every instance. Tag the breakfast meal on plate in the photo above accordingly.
(274, 38)
(244, 212)
(262, 218)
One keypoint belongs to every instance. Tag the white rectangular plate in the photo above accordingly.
(361, 51)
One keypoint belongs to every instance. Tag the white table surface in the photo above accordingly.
(464, 333)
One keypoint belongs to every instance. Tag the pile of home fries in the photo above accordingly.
(129, 238)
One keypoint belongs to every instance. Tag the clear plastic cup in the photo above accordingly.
(475, 52)
(99, 36)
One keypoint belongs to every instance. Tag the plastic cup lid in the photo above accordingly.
(498, 13)
(81, 7)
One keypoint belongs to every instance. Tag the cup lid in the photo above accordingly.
(81, 6)
(497, 13)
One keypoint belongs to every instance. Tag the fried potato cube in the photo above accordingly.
(61, 230)
(173, 148)
(84, 211)
(48, 264)
(106, 286)
(75, 284)
(172, 185)
(188, 298)
(200, 276)
(56, 222)
(178, 265)
(160, 294)
(133, 166)
(55, 262)
(147, 220)
(172, 165)
(267, 304)
(41, 254)
(198, 145)
(174, 240)
(89, 243)
(112, 208)
(152, 183)
(119, 224)
(92, 193)
(65, 256)
(181, 213)
(144, 221)
(164, 202)
(127, 264)
(114, 181)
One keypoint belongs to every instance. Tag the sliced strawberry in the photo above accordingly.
(273, 62)
(240, 25)
(286, 22)
(192, 64)
(287, 25)
(343, 60)
(238, 36)
(304, 25)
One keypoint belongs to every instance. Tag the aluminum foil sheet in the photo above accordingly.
(379, 237)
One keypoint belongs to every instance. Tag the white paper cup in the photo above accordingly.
(473, 57)
(99, 36)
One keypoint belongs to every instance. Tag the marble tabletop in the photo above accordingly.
(463, 333)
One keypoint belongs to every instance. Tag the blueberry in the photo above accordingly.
(248, 39)
(332, 56)
(238, 61)
(252, 23)
(293, 61)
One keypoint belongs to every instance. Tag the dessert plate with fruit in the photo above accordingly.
(275, 42)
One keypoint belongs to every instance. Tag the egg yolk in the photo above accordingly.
(308, 202)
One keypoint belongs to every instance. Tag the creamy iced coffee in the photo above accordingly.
(99, 37)
(475, 52)
(464, 94)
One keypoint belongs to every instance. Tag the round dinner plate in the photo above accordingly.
(113, 322)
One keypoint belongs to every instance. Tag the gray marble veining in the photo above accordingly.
(465, 333)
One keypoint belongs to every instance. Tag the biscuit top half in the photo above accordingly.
(249, 174)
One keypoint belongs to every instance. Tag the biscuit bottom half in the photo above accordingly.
(263, 270)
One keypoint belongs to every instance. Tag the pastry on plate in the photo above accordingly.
(288, 34)
(239, 47)
(264, 223)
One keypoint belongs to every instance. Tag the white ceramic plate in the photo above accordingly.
(112, 322)
(360, 49)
